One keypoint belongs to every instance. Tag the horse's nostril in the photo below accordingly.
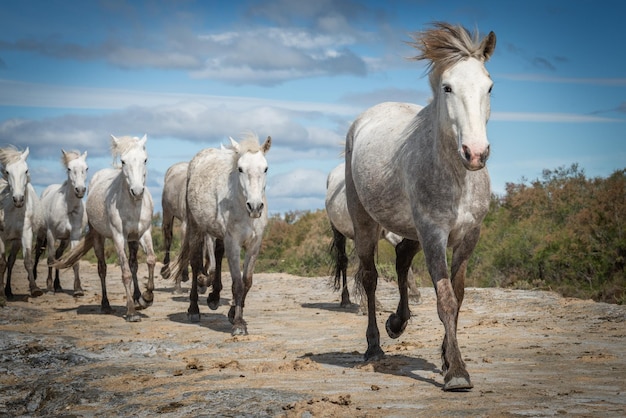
(467, 153)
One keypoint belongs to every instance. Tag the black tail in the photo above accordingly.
(338, 252)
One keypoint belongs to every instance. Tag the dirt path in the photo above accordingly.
(529, 354)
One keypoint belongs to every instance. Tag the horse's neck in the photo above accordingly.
(444, 148)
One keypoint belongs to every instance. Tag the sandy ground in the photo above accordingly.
(529, 353)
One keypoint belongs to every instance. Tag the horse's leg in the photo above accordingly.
(3, 267)
(147, 297)
(57, 281)
(40, 244)
(98, 249)
(133, 265)
(213, 300)
(27, 243)
(235, 314)
(78, 288)
(456, 376)
(195, 259)
(127, 276)
(405, 251)
(183, 271)
(167, 228)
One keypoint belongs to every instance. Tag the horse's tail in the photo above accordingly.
(74, 256)
(340, 259)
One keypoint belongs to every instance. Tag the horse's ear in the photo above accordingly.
(114, 139)
(234, 144)
(143, 140)
(24, 155)
(488, 45)
(267, 144)
(84, 155)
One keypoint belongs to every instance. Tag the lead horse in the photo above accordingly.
(119, 207)
(226, 200)
(420, 173)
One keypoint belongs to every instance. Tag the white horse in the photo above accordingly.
(66, 217)
(341, 224)
(420, 173)
(21, 216)
(174, 204)
(119, 207)
(226, 199)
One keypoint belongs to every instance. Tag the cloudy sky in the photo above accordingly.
(191, 73)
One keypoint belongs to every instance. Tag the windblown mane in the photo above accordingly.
(68, 156)
(123, 145)
(9, 155)
(444, 45)
(249, 143)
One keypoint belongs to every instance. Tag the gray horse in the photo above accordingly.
(420, 173)
(226, 200)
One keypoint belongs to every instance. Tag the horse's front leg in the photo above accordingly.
(3, 267)
(456, 376)
(235, 314)
(195, 259)
(147, 297)
(27, 244)
(213, 300)
(133, 265)
(405, 251)
(127, 278)
(78, 288)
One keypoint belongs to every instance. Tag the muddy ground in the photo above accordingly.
(529, 353)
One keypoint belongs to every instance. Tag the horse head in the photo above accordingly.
(15, 172)
(134, 159)
(252, 168)
(76, 165)
(461, 87)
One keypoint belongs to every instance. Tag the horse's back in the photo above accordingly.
(173, 200)
(208, 189)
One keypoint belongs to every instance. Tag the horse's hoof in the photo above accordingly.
(457, 384)
(202, 290)
(133, 318)
(213, 302)
(165, 272)
(395, 326)
(146, 299)
(106, 310)
(78, 293)
(195, 317)
(374, 353)
(36, 292)
(231, 315)
(240, 330)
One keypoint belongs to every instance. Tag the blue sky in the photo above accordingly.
(191, 73)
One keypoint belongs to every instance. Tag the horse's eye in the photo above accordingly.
(447, 89)
(265, 171)
(123, 162)
(69, 169)
(490, 88)
(145, 161)
(240, 170)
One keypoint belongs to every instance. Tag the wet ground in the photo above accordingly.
(529, 353)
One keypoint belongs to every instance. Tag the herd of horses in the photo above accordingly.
(415, 176)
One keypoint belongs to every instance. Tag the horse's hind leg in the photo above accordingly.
(405, 251)
(338, 249)
(167, 229)
(195, 250)
(213, 300)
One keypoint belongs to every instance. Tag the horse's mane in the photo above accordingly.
(122, 145)
(249, 143)
(9, 155)
(444, 45)
(68, 156)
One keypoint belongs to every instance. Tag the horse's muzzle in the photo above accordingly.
(472, 160)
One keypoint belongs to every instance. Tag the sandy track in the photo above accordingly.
(529, 353)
